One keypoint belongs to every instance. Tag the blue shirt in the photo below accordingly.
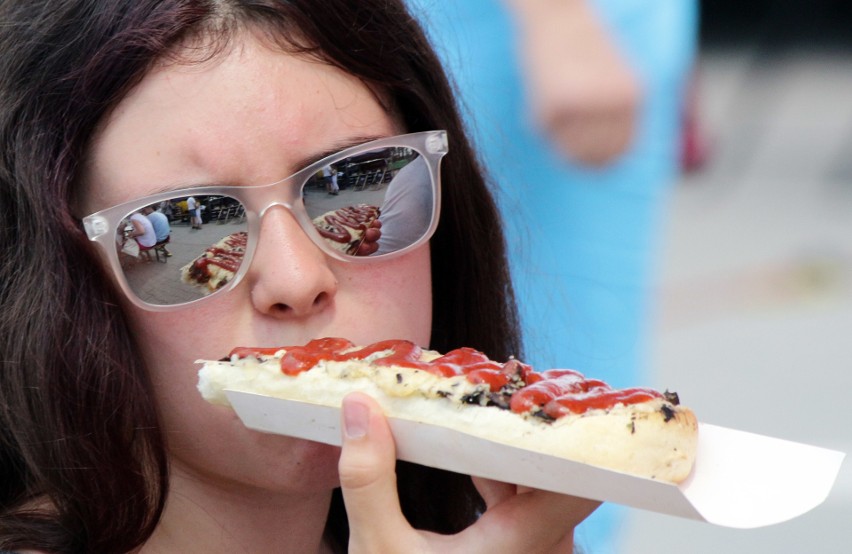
(161, 225)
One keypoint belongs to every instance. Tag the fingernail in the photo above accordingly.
(356, 419)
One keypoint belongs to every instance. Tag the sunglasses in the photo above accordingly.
(369, 202)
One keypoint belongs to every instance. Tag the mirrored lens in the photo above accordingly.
(182, 249)
(376, 202)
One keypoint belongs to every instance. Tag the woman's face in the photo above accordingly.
(247, 118)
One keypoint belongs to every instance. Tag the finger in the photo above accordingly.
(372, 234)
(533, 521)
(368, 477)
(494, 492)
(366, 248)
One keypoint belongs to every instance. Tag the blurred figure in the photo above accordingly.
(576, 107)
(194, 209)
(581, 91)
(142, 232)
(330, 176)
(162, 228)
(167, 209)
(409, 187)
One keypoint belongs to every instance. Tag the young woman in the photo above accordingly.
(109, 106)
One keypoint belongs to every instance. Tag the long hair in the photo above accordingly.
(83, 463)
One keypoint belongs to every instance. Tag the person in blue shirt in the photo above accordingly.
(162, 227)
(576, 107)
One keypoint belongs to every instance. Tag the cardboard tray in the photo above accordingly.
(740, 479)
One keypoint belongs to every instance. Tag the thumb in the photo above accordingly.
(367, 470)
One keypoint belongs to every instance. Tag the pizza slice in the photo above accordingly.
(344, 228)
(218, 264)
(638, 431)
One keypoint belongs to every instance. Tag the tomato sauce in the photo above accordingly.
(229, 258)
(553, 393)
(353, 217)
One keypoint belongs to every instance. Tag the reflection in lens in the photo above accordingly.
(345, 228)
(217, 265)
(376, 202)
(201, 251)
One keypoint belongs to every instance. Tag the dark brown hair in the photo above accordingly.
(83, 463)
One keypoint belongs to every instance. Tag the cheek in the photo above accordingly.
(210, 441)
(392, 300)
(172, 341)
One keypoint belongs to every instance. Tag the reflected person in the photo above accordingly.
(162, 228)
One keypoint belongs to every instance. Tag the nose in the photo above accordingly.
(289, 275)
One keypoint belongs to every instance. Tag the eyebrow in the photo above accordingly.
(337, 147)
(300, 164)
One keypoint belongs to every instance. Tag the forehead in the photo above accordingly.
(245, 116)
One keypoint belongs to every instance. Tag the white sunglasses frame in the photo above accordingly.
(101, 226)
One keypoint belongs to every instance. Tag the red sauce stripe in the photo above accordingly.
(555, 392)
(228, 257)
(354, 217)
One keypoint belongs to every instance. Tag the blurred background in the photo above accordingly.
(754, 293)
(752, 285)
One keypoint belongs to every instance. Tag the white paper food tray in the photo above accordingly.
(740, 479)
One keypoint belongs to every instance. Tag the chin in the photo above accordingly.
(299, 465)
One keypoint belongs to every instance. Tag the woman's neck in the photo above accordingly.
(201, 517)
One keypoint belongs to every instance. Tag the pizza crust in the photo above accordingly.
(654, 439)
